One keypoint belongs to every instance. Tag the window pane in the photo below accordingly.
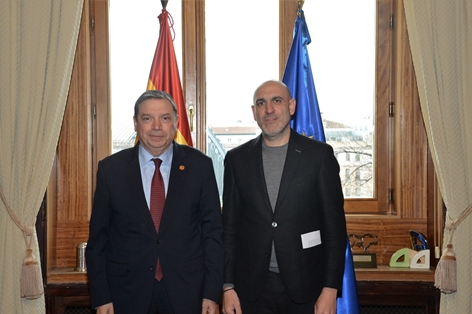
(242, 51)
(134, 31)
(342, 55)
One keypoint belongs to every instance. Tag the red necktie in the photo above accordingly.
(158, 198)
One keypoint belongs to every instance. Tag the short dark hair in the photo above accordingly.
(154, 94)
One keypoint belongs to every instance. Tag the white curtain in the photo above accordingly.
(37, 47)
(440, 35)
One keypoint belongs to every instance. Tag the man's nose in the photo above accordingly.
(269, 108)
(156, 124)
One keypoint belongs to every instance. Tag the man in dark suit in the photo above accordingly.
(283, 217)
(124, 247)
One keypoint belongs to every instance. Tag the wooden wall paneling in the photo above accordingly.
(399, 293)
(100, 81)
(41, 232)
(70, 188)
(383, 97)
(411, 143)
(393, 233)
(59, 297)
(69, 234)
(194, 66)
(51, 222)
(436, 213)
(287, 13)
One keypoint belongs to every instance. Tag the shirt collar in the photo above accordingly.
(166, 157)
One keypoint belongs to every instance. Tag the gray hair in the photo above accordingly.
(154, 94)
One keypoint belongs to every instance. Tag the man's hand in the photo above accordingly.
(231, 303)
(105, 309)
(209, 307)
(326, 303)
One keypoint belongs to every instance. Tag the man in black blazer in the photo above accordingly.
(283, 217)
(123, 246)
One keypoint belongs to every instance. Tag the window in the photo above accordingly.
(68, 206)
(369, 139)
(132, 48)
(345, 79)
(237, 61)
(367, 135)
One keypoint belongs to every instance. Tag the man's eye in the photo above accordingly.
(145, 119)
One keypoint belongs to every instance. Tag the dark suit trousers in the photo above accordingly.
(160, 303)
(275, 300)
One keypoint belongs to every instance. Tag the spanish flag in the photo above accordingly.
(165, 75)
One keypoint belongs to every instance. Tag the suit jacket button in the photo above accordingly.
(151, 268)
(158, 241)
(274, 224)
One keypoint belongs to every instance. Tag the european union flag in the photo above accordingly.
(299, 79)
(348, 302)
(307, 121)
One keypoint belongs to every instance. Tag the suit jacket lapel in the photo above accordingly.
(255, 158)
(294, 154)
(133, 177)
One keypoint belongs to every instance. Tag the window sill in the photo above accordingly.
(387, 273)
(66, 275)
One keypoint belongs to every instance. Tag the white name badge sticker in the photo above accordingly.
(311, 239)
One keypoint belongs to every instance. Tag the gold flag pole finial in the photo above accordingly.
(300, 4)
(164, 3)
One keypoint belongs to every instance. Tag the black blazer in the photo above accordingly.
(123, 245)
(310, 199)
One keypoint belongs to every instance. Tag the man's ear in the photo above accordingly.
(292, 104)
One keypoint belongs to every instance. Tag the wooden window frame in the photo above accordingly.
(383, 160)
(86, 137)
